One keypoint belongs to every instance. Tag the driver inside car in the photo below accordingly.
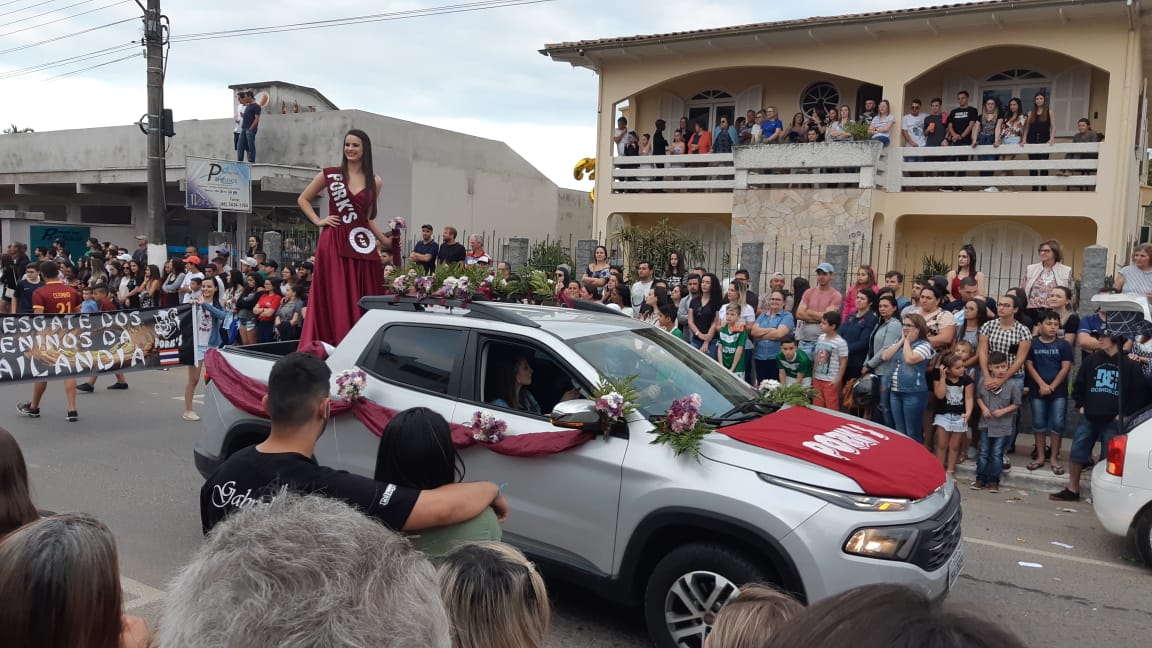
(510, 381)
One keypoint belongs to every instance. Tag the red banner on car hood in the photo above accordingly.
(883, 462)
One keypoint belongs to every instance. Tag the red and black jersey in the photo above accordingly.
(55, 298)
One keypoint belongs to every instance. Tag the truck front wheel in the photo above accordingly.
(688, 587)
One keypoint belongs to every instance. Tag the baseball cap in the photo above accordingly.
(248, 261)
(307, 265)
(141, 237)
(192, 259)
(426, 227)
(223, 253)
(825, 267)
(124, 257)
(777, 275)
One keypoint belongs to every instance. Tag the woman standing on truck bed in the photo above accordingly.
(347, 266)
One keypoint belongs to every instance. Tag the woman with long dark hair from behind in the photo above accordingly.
(60, 583)
(416, 451)
(347, 266)
(495, 598)
(16, 508)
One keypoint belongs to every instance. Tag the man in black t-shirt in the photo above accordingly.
(298, 406)
(425, 250)
(450, 251)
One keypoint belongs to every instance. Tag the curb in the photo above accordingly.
(1041, 480)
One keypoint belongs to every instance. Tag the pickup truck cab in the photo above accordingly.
(1122, 481)
(621, 516)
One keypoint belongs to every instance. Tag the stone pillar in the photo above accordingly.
(272, 245)
(837, 255)
(1092, 275)
(752, 260)
(515, 252)
(585, 248)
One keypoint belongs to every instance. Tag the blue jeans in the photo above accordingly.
(1086, 435)
(991, 460)
(807, 347)
(246, 142)
(1049, 415)
(907, 409)
(712, 346)
(882, 413)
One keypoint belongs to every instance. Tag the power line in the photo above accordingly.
(12, 2)
(59, 38)
(91, 67)
(341, 22)
(68, 61)
(41, 14)
(75, 15)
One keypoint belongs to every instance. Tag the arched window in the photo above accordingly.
(708, 106)
(819, 96)
(1019, 83)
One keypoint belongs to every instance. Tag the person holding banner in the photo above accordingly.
(347, 266)
(207, 318)
(54, 297)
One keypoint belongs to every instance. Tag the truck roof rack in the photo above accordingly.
(476, 309)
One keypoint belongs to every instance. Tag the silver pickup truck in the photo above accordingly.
(623, 517)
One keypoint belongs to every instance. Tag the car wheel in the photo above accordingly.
(688, 587)
(1144, 536)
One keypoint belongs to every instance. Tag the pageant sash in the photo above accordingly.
(353, 235)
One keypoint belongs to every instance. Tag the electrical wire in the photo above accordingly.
(91, 67)
(68, 61)
(340, 22)
(41, 14)
(60, 38)
(75, 15)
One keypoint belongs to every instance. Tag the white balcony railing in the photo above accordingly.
(673, 172)
(1005, 166)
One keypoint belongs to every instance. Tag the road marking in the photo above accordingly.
(143, 594)
(198, 399)
(1057, 556)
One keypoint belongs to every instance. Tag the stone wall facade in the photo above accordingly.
(800, 217)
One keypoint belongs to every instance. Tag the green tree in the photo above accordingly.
(655, 244)
(15, 130)
(546, 255)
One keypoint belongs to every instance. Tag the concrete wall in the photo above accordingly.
(574, 220)
(272, 97)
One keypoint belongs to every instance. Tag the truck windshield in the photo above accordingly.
(664, 368)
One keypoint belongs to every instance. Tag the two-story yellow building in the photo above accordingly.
(894, 204)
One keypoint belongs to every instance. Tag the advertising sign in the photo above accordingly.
(45, 347)
(217, 185)
(74, 238)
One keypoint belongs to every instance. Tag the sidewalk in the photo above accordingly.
(1041, 480)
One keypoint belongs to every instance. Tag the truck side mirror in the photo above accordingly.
(577, 414)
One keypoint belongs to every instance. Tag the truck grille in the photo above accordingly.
(937, 543)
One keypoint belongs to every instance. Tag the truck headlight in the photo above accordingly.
(850, 501)
(892, 543)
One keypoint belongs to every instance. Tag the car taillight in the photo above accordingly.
(1116, 448)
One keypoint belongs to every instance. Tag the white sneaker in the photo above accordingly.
(991, 189)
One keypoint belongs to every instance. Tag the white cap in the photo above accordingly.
(124, 257)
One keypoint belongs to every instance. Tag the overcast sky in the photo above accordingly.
(475, 72)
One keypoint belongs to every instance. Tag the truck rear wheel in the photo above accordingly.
(688, 587)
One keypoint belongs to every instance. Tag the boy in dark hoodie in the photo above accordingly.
(1097, 394)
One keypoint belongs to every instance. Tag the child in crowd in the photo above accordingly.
(1049, 361)
(971, 441)
(997, 410)
(750, 617)
(954, 397)
(89, 305)
(194, 285)
(795, 365)
(829, 363)
(666, 321)
(733, 336)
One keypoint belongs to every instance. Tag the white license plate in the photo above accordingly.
(955, 565)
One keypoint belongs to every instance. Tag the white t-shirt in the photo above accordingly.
(640, 293)
(622, 133)
(239, 117)
(914, 126)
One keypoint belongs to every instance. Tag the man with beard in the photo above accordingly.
(450, 251)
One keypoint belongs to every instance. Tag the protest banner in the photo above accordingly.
(48, 347)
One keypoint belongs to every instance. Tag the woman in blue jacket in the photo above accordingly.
(909, 384)
(857, 331)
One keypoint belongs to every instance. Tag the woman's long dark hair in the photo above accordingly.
(60, 583)
(981, 313)
(366, 164)
(971, 251)
(16, 508)
(416, 451)
(679, 271)
(662, 298)
(715, 293)
(800, 286)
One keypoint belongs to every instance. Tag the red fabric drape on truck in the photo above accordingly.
(247, 394)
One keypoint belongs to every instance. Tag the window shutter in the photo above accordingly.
(671, 110)
(750, 99)
(1070, 91)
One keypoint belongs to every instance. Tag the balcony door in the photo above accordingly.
(710, 105)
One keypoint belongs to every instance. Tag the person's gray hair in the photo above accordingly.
(477, 238)
(304, 571)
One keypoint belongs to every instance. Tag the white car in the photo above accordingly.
(1122, 485)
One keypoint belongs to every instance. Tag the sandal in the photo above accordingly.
(1057, 469)
(1035, 465)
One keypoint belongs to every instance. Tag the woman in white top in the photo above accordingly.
(1137, 277)
(941, 323)
(838, 130)
(881, 127)
(1040, 278)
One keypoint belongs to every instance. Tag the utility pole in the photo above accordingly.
(154, 47)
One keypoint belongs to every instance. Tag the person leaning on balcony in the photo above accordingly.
(724, 137)
(619, 136)
(701, 140)
(912, 126)
(1040, 278)
(1011, 129)
(838, 130)
(798, 130)
(772, 129)
(659, 142)
(1137, 277)
(1083, 135)
(883, 123)
(1040, 131)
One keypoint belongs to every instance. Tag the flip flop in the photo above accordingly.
(1036, 465)
(1057, 469)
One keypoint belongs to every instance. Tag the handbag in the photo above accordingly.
(865, 390)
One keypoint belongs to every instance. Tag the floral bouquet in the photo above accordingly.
(350, 384)
(455, 288)
(771, 391)
(615, 399)
(397, 223)
(423, 286)
(403, 282)
(682, 427)
(487, 428)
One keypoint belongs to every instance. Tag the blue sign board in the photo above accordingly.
(217, 185)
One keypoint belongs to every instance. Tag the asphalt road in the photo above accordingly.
(129, 462)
